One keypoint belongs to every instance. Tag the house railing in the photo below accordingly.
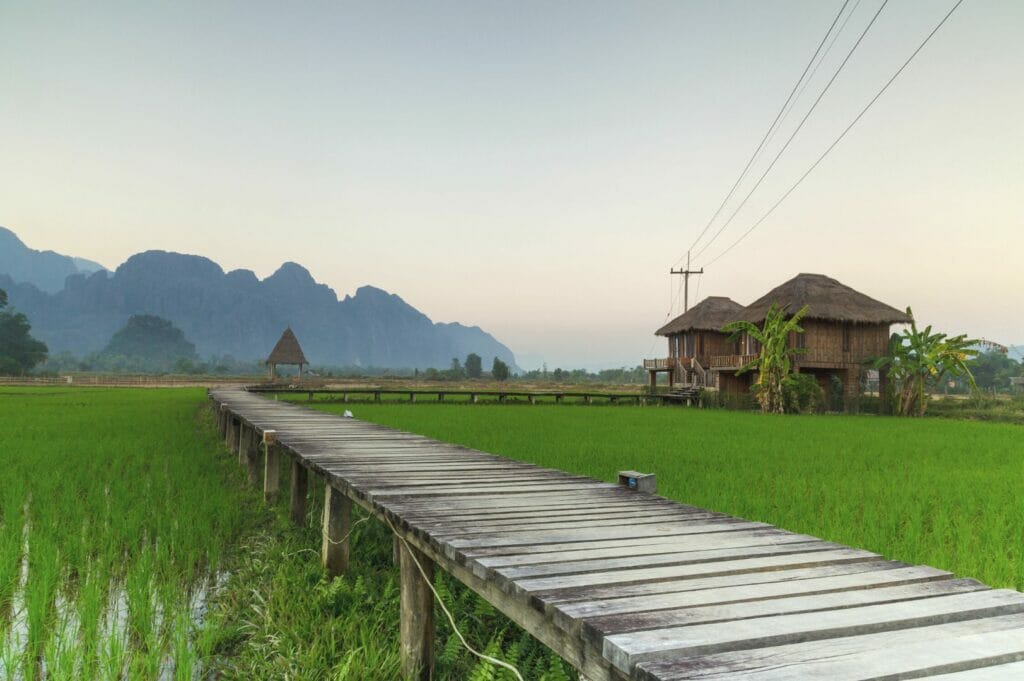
(666, 363)
(700, 376)
(731, 361)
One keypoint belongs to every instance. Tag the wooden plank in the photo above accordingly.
(730, 541)
(724, 567)
(598, 628)
(927, 651)
(624, 651)
(1013, 671)
(570, 614)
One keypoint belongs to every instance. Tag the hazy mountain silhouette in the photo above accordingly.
(45, 270)
(237, 314)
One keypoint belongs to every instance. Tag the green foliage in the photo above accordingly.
(774, 362)
(801, 394)
(918, 357)
(153, 342)
(19, 351)
(926, 491)
(474, 365)
(120, 500)
(499, 370)
(993, 370)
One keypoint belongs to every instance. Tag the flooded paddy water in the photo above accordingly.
(114, 518)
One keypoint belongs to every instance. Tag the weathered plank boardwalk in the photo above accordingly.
(626, 585)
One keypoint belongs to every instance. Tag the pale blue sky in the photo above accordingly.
(531, 167)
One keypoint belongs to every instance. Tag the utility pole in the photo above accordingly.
(686, 281)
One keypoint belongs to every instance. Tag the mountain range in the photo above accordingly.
(229, 313)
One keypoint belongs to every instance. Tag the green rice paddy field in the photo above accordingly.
(940, 492)
(131, 546)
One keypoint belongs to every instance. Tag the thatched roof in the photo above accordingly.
(827, 300)
(287, 350)
(710, 314)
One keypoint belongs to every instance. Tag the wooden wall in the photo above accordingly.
(839, 344)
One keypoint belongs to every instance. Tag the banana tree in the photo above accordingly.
(774, 362)
(917, 356)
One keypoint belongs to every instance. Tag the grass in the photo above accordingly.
(939, 492)
(131, 547)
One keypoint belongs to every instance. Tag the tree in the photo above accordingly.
(499, 370)
(774, 363)
(474, 365)
(19, 351)
(148, 343)
(456, 372)
(917, 357)
(993, 370)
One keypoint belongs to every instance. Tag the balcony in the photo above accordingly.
(668, 363)
(731, 362)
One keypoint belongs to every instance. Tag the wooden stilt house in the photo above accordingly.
(286, 352)
(843, 330)
(694, 337)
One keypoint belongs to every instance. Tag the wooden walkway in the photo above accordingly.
(475, 396)
(625, 585)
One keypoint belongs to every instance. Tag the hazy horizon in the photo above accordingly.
(532, 169)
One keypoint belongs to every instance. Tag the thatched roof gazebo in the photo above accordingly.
(827, 300)
(710, 314)
(288, 352)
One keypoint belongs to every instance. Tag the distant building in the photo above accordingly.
(286, 352)
(843, 330)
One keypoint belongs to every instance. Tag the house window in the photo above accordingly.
(846, 337)
(801, 340)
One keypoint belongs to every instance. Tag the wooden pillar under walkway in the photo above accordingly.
(250, 457)
(230, 432)
(417, 608)
(271, 466)
(300, 487)
(245, 438)
(336, 529)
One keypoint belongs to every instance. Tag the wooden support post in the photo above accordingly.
(229, 431)
(250, 458)
(271, 466)
(533, 399)
(558, 398)
(501, 398)
(309, 396)
(440, 397)
(588, 399)
(337, 524)
(344, 397)
(376, 396)
(300, 485)
(417, 608)
(412, 397)
(245, 435)
(396, 549)
(472, 398)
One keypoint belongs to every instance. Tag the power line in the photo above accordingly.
(842, 134)
(799, 126)
(771, 127)
(814, 71)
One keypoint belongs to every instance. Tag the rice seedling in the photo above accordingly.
(933, 491)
